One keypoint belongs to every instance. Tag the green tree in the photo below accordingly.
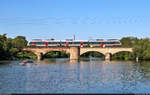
(19, 42)
(128, 41)
(10, 47)
(56, 54)
(3, 40)
(92, 54)
(141, 48)
(122, 56)
(25, 54)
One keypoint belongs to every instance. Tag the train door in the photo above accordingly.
(81, 44)
(102, 43)
(46, 43)
(67, 43)
(32, 43)
(115, 43)
(60, 43)
(88, 44)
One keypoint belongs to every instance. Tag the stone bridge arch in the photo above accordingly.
(83, 52)
(115, 50)
(47, 51)
(40, 51)
(88, 52)
(55, 53)
(37, 52)
(105, 51)
(30, 51)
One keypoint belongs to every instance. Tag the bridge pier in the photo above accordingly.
(39, 56)
(108, 56)
(74, 53)
(137, 59)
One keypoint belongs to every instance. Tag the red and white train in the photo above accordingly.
(81, 43)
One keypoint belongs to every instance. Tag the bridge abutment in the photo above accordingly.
(74, 53)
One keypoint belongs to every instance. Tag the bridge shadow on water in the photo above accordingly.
(81, 60)
(67, 60)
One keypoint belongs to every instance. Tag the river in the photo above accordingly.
(84, 76)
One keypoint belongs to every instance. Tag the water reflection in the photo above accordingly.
(75, 76)
(73, 61)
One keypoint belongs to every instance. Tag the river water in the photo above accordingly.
(84, 76)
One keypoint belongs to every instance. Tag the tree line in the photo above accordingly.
(11, 48)
(141, 49)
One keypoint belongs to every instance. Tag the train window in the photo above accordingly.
(57, 42)
(43, 42)
(108, 42)
(70, 42)
(93, 42)
(105, 42)
(76, 42)
(49, 43)
(112, 42)
(90, 43)
(30, 43)
(35, 43)
(62, 42)
(85, 42)
(118, 42)
(54, 42)
(97, 42)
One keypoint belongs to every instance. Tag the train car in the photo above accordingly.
(36, 43)
(77, 43)
(81, 43)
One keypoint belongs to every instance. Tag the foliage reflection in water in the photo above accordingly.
(63, 76)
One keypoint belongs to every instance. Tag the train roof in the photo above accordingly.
(39, 40)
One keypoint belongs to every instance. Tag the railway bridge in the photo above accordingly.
(75, 52)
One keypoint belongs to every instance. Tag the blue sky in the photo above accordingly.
(87, 19)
